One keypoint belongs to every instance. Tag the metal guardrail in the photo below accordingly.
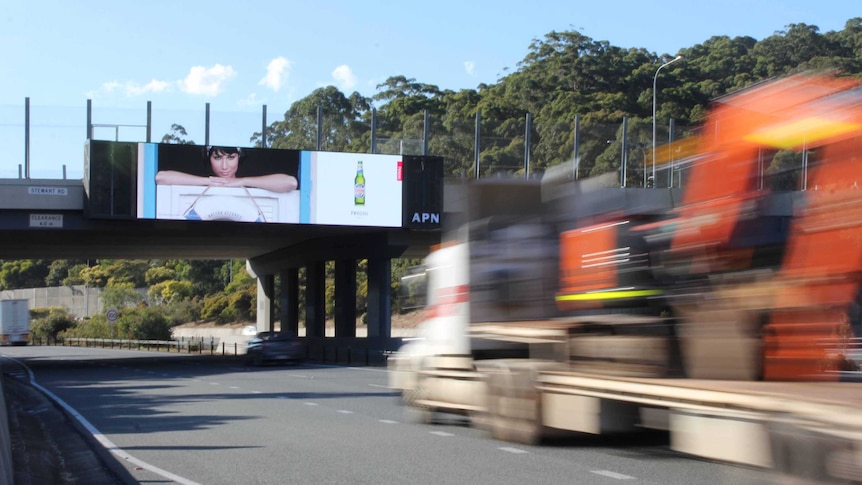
(363, 351)
(210, 346)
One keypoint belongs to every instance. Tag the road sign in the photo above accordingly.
(112, 314)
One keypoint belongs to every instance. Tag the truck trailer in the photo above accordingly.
(724, 313)
(14, 322)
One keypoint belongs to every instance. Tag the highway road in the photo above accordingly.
(175, 419)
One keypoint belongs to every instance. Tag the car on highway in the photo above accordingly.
(268, 347)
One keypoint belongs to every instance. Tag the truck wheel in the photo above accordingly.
(514, 406)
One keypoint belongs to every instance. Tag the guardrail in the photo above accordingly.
(210, 346)
(361, 351)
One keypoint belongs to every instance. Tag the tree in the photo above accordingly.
(59, 271)
(177, 136)
(121, 295)
(23, 273)
(343, 128)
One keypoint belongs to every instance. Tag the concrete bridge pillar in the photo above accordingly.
(265, 293)
(289, 300)
(315, 299)
(379, 305)
(345, 298)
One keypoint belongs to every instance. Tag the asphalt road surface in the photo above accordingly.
(169, 418)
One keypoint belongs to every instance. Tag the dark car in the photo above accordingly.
(274, 347)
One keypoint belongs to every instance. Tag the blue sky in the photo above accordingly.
(237, 56)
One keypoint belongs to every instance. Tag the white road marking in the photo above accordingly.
(257, 392)
(213, 383)
(610, 474)
(108, 444)
(388, 421)
(233, 387)
(513, 450)
(378, 385)
(442, 433)
(344, 411)
(311, 404)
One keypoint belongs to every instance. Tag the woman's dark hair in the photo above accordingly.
(225, 150)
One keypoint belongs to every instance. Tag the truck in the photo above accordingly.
(14, 322)
(724, 313)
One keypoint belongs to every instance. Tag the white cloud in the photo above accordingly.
(344, 77)
(276, 73)
(470, 67)
(110, 87)
(154, 86)
(207, 81)
(250, 100)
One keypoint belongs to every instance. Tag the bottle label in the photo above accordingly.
(359, 193)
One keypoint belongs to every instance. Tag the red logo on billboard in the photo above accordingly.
(400, 168)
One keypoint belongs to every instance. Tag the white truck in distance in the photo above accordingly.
(14, 322)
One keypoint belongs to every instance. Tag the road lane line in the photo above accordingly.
(310, 404)
(610, 474)
(379, 385)
(388, 421)
(108, 444)
(513, 450)
(344, 411)
(442, 433)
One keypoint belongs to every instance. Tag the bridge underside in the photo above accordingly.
(270, 249)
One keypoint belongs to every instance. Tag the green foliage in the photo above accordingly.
(23, 273)
(157, 274)
(59, 271)
(170, 291)
(96, 327)
(73, 275)
(143, 323)
(120, 295)
(182, 311)
(213, 306)
(47, 323)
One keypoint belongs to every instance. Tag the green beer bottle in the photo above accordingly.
(359, 185)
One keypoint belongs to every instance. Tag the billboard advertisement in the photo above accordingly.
(191, 182)
(355, 189)
(263, 185)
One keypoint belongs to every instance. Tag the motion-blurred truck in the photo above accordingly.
(724, 313)
(14, 322)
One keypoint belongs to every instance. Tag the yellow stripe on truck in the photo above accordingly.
(608, 295)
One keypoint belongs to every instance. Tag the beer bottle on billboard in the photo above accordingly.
(359, 185)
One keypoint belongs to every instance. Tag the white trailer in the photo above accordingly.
(14, 322)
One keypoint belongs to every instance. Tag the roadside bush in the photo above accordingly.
(243, 301)
(47, 323)
(213, 306)
(182, 311)
(144, 323)
(95, 327)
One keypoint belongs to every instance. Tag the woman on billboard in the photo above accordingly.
(225, 169)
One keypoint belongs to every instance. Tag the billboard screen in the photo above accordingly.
(355, 189)
(191, 182)
(263, 185)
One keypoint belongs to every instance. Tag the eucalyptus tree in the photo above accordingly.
(402, 103)
(343, 124)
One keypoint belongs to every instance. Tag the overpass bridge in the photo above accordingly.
(117, 211)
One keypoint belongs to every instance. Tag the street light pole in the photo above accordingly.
(654, 98)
